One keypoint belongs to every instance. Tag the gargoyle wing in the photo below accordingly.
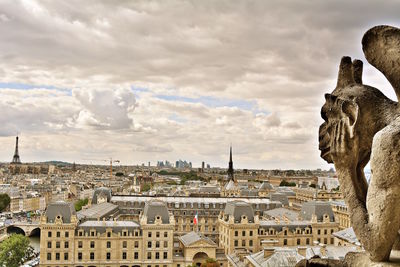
(381, 46)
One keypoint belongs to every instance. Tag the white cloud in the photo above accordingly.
(277, 58)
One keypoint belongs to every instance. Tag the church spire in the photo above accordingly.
(230, 169)
(16, 159)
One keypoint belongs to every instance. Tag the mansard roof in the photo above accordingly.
(60, 208)
(238, 209)
(154, 209)
(319, 208)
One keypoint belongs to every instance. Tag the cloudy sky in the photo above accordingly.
(144, 81)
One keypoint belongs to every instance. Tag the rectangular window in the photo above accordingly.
(65, 256)
(236, 233)
(243, 243)
(136, 255)
(49, 234)
(157, 234)
(57, 256)
(136, 244)
(149, 234)
(49, 256)
(165, 234)
(108, 244)
(58, 234)
(236, 243)
(80, 244)
(108, 256)
(243, 233)
(148, 255)
(157, 255)
(149, 244)
(251, 233)
(165, 255)
(124, 244)
(49, 244)
(92, 255)
(165, 244)
(124, 255)
(66, 244)
(80, 256)
(91, 244)
(57, 244)
(109, 234)
(66, 234)
(250, 243)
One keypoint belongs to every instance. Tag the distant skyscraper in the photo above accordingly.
(202, 166)
(230, 168)
(16, 159)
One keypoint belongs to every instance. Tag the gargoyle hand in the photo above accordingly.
(344, 144)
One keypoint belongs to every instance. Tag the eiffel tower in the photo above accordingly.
(16, 159)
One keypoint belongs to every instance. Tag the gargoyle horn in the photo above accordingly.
(381, 46)
(357, 70)
(345, 76)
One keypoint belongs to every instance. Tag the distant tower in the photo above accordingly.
(230, 169)
(16, 159)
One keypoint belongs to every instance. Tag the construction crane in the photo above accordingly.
(111, 165)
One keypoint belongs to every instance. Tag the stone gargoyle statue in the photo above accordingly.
(362, 125)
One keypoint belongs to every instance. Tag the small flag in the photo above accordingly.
(196, 219)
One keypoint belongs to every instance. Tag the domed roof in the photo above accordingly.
(60, 209)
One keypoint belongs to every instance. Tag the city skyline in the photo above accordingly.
(153, 81)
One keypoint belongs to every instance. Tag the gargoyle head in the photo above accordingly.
(364, 109)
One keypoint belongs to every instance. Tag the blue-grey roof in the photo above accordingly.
(154, 209)
(101, 191)
(281, 197)
(319, 208)
(60, 208)
(115, 226)
(237, 209)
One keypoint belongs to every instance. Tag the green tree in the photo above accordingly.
(146, 187)
(210, 262)
(4, 201)
(80, 203)
(14, 250)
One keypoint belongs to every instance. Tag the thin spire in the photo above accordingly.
(16, 159)
(230, 168)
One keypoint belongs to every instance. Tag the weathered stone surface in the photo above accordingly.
(362, 124)
(352, 259)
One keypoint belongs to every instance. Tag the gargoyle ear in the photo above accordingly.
(346, 73)
(351, 110)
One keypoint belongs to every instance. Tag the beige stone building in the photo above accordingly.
(66, 241)
(342, 215)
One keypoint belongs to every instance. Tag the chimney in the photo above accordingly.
(302, 251)
(268, 252)
(269, 243)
